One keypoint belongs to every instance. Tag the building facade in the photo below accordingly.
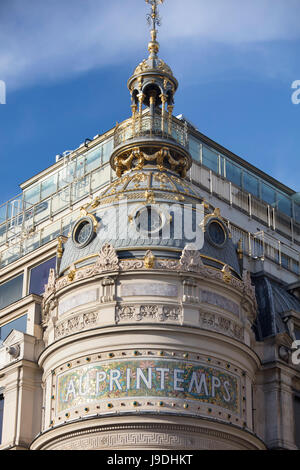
(149, 292)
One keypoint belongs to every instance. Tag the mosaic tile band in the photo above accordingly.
(159, 378)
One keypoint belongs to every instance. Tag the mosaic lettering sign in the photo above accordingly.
(159, 378)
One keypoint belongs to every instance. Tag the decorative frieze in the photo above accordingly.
(148, 312)
(76, 323)
(190, 262)
(132, 264)
(170, 313)
(220, 324)
(125, 313)
(147, 436)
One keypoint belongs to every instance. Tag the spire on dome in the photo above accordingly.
(154, 20)
(153, 84)
(151, 138)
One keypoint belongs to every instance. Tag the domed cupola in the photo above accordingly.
(153, 83)
(152, 136)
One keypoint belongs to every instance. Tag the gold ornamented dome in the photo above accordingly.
(153, 81)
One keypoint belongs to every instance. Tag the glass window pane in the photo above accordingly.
(50, 232)
(268, 194)
(41, 211)
(11, 291)
(68, 223)
(61, 200)
(31, 243)
(222, 165)
(250, 184)
(107, 150)
(32, 195)
(3, 210)
(233, 173)
(295, 266)
(80, 166)
(66, 174)
(39, 276)
(100, 177)
(49, 186)
(284, 204)
(297, 212)
(285, 261)
(210, 159)
(81, 188)
(2, 233)
(18, 324)
(92, 160)
(194, 148)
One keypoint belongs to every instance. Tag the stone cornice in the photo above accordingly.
(108, 262)
(162, 425)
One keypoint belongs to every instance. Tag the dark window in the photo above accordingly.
(1, 415)
(210, 159)
(194, 148)
(250, 184)
(285, 261)
(268, 194)
(11, 291)
(297, 421)
(18, 324)
(233, 173)
(216, 233)
(297, 212)
(284, 204)
(295, 266)
(39, 276)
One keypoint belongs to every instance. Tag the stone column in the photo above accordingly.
(141, 98)
(152, 108)
(170, 111)
(163, 106)
(134, 110)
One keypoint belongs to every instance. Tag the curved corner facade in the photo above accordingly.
(139, 306)
(153, 358)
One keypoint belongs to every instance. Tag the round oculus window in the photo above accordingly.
(217, 233)
(148, 220)
(83, 232)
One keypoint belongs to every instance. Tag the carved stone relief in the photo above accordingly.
(76, 323)
(218, 323)
(148, 312)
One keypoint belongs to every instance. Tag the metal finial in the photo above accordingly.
(153, 17)
(154, 20)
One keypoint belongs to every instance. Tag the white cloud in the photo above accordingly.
(233, 21)
(49, 40)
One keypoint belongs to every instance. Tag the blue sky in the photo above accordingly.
(66, 64)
